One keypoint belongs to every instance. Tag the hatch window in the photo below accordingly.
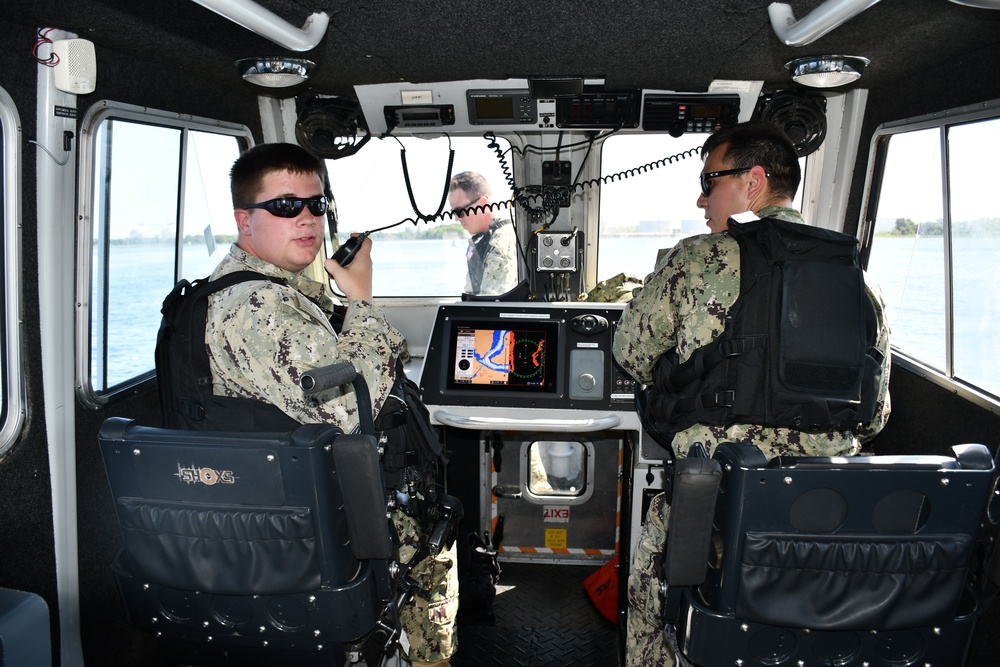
(557, 468)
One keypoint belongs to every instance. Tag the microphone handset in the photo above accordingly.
(344, 255)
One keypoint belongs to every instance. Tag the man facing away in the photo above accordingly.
(683, 306)
(492, 253)
(262, 336)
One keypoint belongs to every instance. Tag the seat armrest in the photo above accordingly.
(695, 488)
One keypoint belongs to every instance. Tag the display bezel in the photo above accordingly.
(500, 107)
(552, 331)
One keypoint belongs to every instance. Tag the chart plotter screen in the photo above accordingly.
(498, 358)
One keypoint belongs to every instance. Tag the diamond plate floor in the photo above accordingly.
(543, 619)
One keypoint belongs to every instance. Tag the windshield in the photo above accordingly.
(415, 257)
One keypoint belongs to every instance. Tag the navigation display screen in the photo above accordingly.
(490, 108)
(520, 358)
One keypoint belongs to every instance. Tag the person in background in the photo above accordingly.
(492, 253)
(262, 336)
(682, 306)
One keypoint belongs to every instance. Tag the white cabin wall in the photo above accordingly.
(827, 181)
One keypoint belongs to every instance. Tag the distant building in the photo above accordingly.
(658, 227)
(692, 226)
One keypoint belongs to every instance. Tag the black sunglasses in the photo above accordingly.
(289, 207)
(462, 211)
(706, 179)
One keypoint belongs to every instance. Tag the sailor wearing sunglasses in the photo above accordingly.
(694, 300)
(262, 335)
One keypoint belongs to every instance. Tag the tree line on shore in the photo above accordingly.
(983, 227)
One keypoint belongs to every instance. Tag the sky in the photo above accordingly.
(912, 185)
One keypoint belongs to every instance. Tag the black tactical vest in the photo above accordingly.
(799, 346)
(183, 372)
(407, 438)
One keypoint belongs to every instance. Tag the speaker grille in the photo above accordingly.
(802, 116)
(330, 127)
(76, 70)
(82, 61)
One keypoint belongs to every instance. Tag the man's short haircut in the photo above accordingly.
(246, 178)
(472, 183)
(759, 143)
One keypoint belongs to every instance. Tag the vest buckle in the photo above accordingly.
(725, 398)
(731, 347)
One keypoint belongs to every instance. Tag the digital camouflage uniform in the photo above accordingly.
(617, 289)
(683, 304)
(262, 336)
(492, 260)
(429, 619)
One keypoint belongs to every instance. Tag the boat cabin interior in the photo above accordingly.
(119, 121)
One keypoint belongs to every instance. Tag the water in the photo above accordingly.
(635, 255)
(430, 267)
(909, 271)
(140, 276)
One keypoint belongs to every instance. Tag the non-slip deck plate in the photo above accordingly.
(543, 618)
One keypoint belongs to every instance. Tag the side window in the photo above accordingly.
(975, 229)
(935, 247)
(11, 387)
(159, 210)
(907, 255)
(653, 208)
(414, 258)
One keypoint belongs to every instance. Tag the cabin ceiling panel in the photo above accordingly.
(679, 45)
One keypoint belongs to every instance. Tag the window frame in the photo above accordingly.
(97, 115)
(877, 159)
(12, 324)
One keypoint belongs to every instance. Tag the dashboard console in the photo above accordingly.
(525, 355)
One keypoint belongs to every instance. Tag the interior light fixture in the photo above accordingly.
(275, 72)
(827, 71)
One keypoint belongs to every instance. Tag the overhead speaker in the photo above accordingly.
(331, 127)
(801, 115)
(76, 68)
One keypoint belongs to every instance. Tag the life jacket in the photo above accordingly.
(799, 346)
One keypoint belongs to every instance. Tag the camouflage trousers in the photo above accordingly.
(429, 618)
(645, 642)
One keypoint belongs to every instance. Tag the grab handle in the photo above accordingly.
(540, 424)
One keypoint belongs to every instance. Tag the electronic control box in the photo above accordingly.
(501, 107)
